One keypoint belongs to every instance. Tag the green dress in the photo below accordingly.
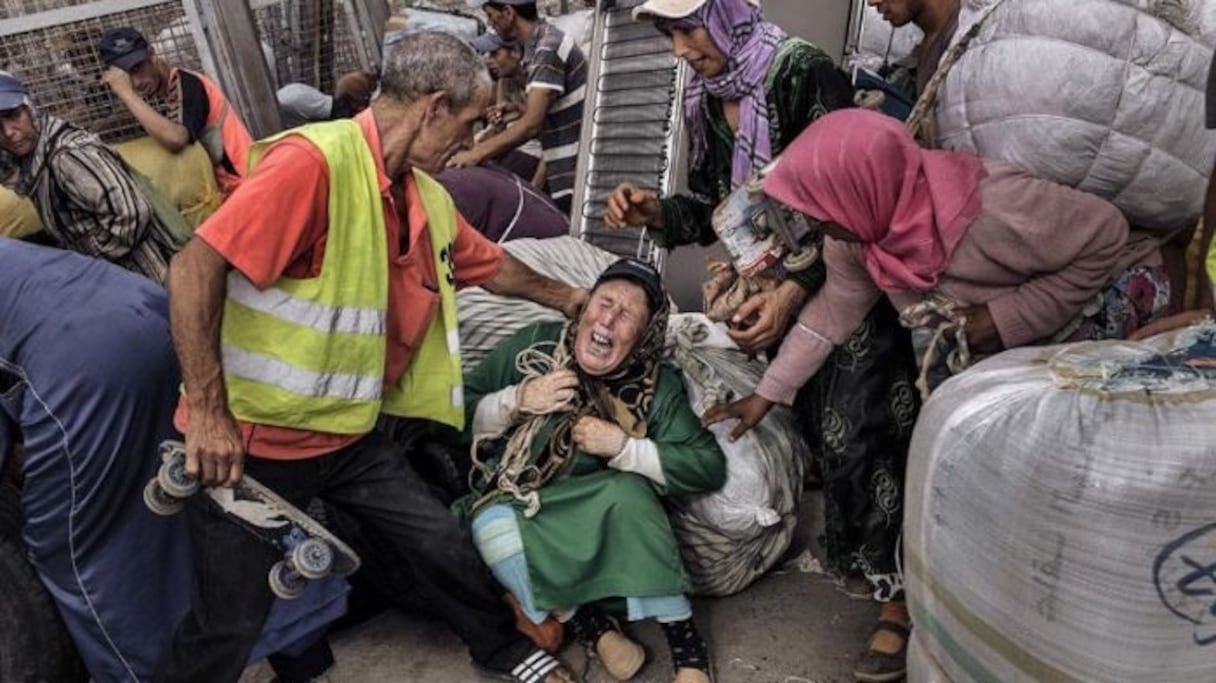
(603, 533)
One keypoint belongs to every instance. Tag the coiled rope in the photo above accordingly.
(944, 315)
(516, 474)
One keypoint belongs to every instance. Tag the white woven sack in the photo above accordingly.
(730, 537)
(1060, 513)
(922, 668)
(1095, 94)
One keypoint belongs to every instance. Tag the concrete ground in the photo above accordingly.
(791, 626)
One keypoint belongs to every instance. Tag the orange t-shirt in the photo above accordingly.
(275, 225)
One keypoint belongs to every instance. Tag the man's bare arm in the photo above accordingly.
(197, 285)
(171, 135)
(516, 279)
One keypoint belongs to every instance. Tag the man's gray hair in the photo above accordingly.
(430, 61)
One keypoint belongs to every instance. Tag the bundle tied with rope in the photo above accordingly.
(541, 448)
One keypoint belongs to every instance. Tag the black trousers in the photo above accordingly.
(857, 414)
(372, 481)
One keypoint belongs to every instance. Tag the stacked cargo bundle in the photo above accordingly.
(1059, 516)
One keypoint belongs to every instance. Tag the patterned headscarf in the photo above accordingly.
(31, 166)
(623, 396)
(749, 42)
(863, 171)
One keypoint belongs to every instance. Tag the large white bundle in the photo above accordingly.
(727, 538)
(1096, 94)
(1060, 515)
(922, 668)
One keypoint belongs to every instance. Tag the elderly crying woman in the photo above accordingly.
(588, 429)
(1020, 260)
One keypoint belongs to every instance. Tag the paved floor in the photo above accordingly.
(792, 626)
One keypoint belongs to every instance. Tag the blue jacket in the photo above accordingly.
(89, 377)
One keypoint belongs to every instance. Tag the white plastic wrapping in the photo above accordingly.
(1096, 94)
(1060, 516)
(727, 538)
(922, 668)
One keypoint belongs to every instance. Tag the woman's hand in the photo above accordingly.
(982, 335)
(630, 206)
(748, 411)
(1173, 322)
(546, 394)
(599, 437)
(761, 320)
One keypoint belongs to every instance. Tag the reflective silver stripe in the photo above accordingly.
(320, 317)
(337, 385)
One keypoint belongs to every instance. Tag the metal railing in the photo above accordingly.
(632, 124)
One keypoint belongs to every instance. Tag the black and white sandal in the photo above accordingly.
(535, 668)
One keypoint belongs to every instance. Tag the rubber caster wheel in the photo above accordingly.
(160, 502)
(285, 583)
(174, 480)
(312, 559)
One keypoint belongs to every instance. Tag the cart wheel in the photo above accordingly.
(285, 583)
(801, 259)
(313, 558)
(174, 480)
(158, 501)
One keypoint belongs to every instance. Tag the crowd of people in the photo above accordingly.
(319, 301)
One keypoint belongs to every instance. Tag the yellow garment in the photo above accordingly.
(310, 353)
(185, 178)
(1209, 260)
(18, 218)
(433, 386)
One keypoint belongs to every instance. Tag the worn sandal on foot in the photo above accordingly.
(537, 667)
(883, 667)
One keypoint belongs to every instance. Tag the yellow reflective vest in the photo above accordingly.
(310, 353)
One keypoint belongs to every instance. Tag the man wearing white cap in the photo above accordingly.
(556, 76)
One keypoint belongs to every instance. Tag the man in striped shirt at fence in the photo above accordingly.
(557, 74)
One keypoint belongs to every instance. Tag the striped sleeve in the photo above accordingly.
(96, 185)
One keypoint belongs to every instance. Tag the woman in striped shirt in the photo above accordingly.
(86, 197)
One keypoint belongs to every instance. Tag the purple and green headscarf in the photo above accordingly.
(749, 42)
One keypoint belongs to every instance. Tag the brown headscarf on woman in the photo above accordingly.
(623, 396)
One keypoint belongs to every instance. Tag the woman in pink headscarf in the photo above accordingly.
(1025, 260)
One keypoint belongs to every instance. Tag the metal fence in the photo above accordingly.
(632, 130)
(313, 41)
(52, 47)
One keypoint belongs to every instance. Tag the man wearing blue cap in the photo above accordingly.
(197, 110)
(556, 77)
(86, 198)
